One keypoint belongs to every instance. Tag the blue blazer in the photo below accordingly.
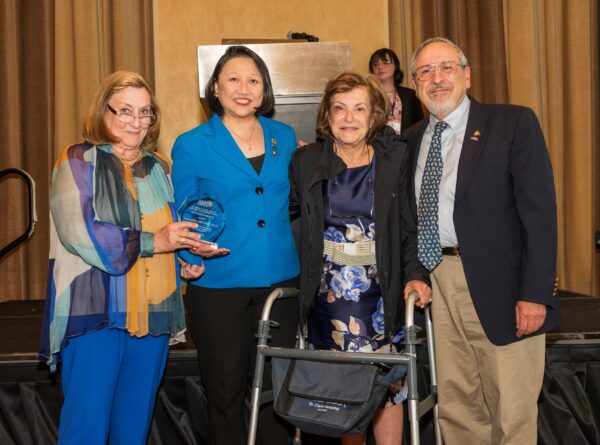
(504, 215)
(206, 160)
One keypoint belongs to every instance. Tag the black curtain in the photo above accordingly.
(30, 399)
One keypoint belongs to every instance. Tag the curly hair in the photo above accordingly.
(347, 81)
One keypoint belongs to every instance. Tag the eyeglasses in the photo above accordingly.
(378, 62)
(145, 121)
(446, 68)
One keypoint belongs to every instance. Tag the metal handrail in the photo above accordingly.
(32, 212)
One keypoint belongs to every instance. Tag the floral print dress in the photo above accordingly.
(348, 311)
(395, 117)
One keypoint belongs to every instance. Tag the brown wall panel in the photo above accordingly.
(183, 25)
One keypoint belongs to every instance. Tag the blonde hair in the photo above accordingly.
(347, 81)
(95, 130)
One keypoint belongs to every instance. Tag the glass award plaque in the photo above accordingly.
(207, 213)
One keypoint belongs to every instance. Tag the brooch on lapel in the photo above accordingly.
(274, 146)
(475, 136)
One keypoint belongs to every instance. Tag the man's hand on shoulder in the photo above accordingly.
(530, 317)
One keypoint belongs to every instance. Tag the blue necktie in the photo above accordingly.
(430, 249)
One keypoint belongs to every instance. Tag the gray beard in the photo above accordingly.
(440, 109)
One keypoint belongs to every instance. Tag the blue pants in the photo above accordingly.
(109, 383)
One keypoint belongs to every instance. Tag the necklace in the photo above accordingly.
(247, 141)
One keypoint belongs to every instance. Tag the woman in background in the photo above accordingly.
(405, 108)
(358, 236)
(113, 295)
(240, 159)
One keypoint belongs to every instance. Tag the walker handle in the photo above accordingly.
(413, 296)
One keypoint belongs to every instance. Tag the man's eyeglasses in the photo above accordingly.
(146, 120)
(446, 68)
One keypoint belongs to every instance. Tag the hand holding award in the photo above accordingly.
(208, 213)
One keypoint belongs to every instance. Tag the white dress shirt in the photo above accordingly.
(452, 141)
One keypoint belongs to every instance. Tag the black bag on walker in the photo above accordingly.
(330, 398)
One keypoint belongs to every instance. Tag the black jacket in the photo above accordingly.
(396, 239)
(412, 110)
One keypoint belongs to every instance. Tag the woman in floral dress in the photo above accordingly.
(358, 239)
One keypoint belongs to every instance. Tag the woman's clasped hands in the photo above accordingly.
(191, 271)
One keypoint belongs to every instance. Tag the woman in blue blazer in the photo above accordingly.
(239, 158)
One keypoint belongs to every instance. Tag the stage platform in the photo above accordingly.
(30, 396)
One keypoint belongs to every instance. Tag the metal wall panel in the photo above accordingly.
(299, 72)
(295, 68)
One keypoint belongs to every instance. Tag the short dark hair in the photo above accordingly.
(268, 103)
(348, 81)
(384, 54)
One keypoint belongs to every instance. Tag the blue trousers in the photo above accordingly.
(109, 384)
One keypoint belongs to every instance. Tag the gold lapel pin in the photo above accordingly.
(475, 136)
(274, 146)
